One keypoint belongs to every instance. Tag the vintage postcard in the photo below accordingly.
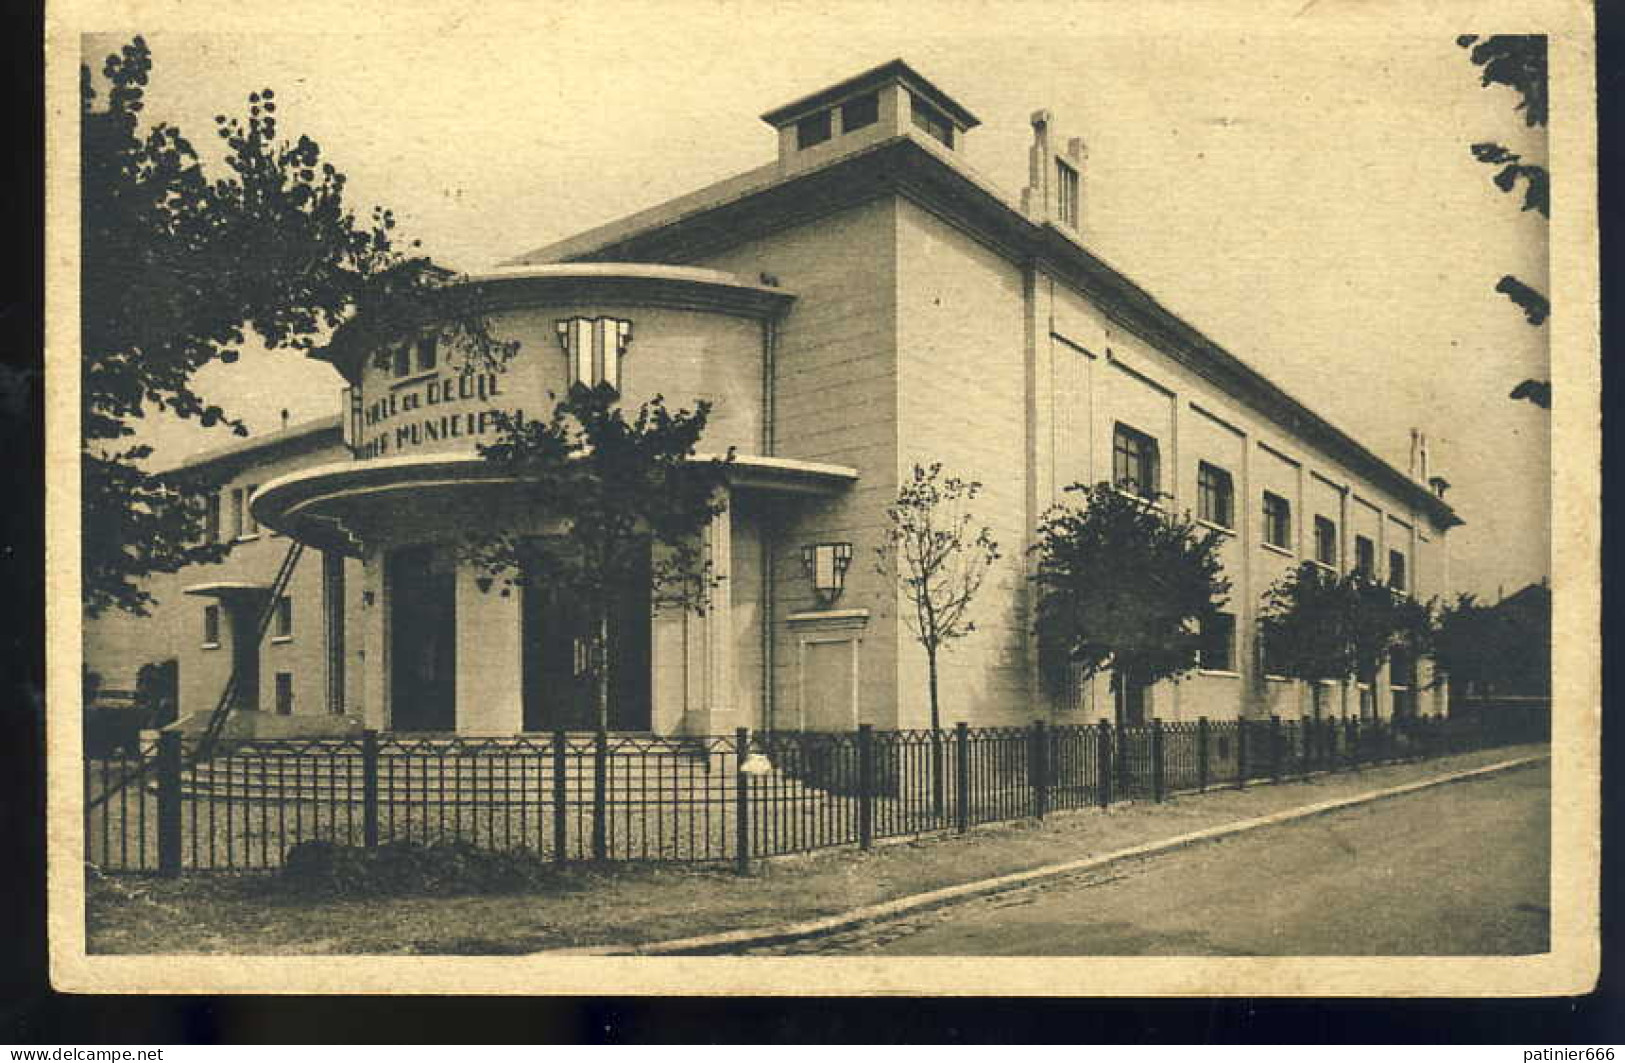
(853, 498)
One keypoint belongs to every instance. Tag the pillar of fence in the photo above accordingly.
(1201, 754)
(1038, 768)
(866, 785)
(1241, 754)
(600, 797)
(742, 801)
(1307, 725)
(962, 777)
(1275, 748)
(169, 803)
(561, 823)
(369, 788)
(1103, 763)
(1157, 777)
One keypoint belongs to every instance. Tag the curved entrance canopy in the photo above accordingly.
(343, 505)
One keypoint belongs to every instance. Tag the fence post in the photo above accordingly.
(1038, 768)
(561, 765)
(1351, 738)
(962, 776)
(1201, 754)
(369, 788)
(169, 803)
(866, 785)
(1103, 763)
(1241, 753)
(1157, 776)
(1308, 724)
(742, 800)
(1275, 748)
(600, 772)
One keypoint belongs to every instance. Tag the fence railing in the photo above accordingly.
(738, 797)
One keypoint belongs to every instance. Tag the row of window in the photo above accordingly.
(861, 111)
(1217, 651)
(281, 621)
(1136, 467)
(427, 355)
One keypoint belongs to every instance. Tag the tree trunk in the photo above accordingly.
(600, 667)
(938, 788)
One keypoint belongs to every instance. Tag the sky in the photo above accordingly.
(1303, 195)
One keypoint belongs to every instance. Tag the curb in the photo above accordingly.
(728, 940)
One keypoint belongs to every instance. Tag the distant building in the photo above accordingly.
(864, 302)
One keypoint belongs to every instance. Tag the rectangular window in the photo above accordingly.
(1215, 495)
(1325, 540)
(284, 618)
(927, 118)
(1396, 570)
(401, 357)
(1365, 556)
(1066, 193)
(1134, 462)
(211, 625)
(252, 525)
(211, 517)
(428, 353)
(1269, 661)
(859, 112)
(237, 526)
(1217, 652)
(813, 129)
(1277, 521)
(284, 693)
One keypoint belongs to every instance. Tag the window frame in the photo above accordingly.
(1326, 541)
(1215, 485)
(211, 626)
(1148, 459)
(426, 353)
(1365, 556)
(282, 619)
(870, 101)
(1228, 666)
(1068, 194)
(401, 360)
(930, 121)
(1285, 520)
(815, 129)
(1398, 576)
(282, 693)
(239, 529)
(211, 518)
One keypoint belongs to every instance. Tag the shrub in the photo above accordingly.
(397, 868)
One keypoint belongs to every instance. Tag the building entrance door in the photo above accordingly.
(556, 646)
(422, 640)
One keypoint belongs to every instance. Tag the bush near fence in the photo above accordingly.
(574, 798)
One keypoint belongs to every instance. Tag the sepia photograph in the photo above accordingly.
(947, 498)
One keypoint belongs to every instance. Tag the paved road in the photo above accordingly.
(1461, 869)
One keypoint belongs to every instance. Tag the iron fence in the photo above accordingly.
(168, 806)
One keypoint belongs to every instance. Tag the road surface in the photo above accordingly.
(1461, 869)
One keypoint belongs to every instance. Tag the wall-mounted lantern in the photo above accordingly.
(827, 563)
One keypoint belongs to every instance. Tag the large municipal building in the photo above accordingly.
(862, 302)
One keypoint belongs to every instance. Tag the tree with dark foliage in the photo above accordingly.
(177, 267)
(1124, 585)
(627, 499)
(1518, 61)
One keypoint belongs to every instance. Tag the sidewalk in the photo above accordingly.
(635, 905)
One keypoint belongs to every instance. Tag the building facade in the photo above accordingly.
(863, 303)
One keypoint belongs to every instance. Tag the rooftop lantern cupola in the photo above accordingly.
(890, 100)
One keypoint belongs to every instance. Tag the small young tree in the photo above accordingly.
(1123, 585)
(626, 497)
(939, 561)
